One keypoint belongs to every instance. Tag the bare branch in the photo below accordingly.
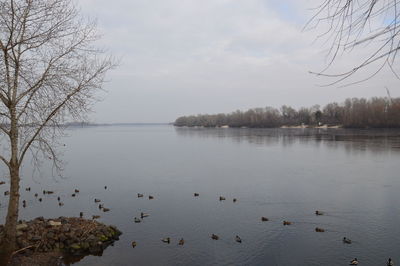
(352, 23)
(5, 161)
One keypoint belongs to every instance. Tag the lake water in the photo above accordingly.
(283, 174)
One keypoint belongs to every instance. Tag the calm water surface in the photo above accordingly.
(283, 174)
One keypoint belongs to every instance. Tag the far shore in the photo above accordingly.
(297, 126)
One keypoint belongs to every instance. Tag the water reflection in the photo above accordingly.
(353, 140)
(283, 174)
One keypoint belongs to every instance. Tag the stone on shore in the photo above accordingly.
(68, 236)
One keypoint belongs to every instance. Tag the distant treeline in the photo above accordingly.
(353, 113)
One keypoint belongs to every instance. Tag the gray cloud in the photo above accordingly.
(189, 57)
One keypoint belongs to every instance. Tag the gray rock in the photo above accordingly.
(22, 226)
(50, 235)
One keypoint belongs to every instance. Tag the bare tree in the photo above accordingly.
(49, 71)
(352, 23)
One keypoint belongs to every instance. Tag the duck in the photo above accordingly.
(320, 230)
(238, 239)
(133, 244)
(81, 214)
(60, 204)
(137, 220)
(105, 187)
(6, 193)
(28, 189)
(151, 197)
(101, 206)
(181, 242)
(319, 213)
(76, 190)
(58, 198)
(140, 195)
(196, 194)
(346, 240)
(221, 198)
(354, 262)
(94, 217)
(40, 199)
(143, 215)
(36, 195)
(97, 200)
(49, 192)
(214, 236)
(390, 262)
(2, 183)
(106, 209)
(234, 200)
(73, 195)
(24, 203)
(287, 223)
(264, 219)
(166, 240)
(44, 192)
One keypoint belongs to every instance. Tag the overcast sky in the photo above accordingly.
(182, 57)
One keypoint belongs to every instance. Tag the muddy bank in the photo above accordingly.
(52, 241)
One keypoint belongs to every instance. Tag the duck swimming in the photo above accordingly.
(234, 200)
(238, 239)
(287, 223)
(354, 262)
(133, 244)
(136, 220)
(94, 217)
(140, 195)
(390, 262)
(143, 215)
(264, 219)
(151, 197)
(215, 237)
(97, 200)
(346, 240)
(196, 194)
(221, 198)
(181, 242)
(166, 240)
(319, 213)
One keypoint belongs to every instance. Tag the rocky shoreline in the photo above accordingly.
(47, 241)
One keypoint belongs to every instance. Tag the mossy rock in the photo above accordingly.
(103, 238)
(85, 245)
(75, 246)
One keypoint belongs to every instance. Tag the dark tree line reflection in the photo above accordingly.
(354, 140)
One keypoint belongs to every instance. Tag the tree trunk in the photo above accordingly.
(9, 240)
(8, 244)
